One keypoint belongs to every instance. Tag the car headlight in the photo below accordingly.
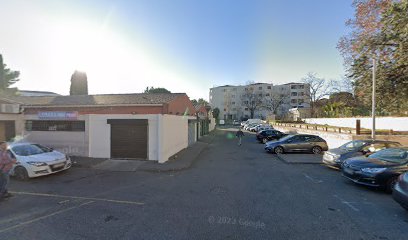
(373, 170)
(37, 164)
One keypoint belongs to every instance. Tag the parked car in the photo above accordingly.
(263, 127)
(221, 122)
(235, 123)
(268, 135)
(254, 128)
(34, 160)
(243, 123)
(248, 126)
(380, 169)
(335, 157)
(297, 143)
(400, 191)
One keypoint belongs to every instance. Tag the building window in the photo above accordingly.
(267, 94)
(234, 89)
(233, 96)
(225, 109)
(293, 101)
(66, 126)
(293, 87)
(300, 101)
(293, 94)
(234, 109)
(301, 94)
(301, 86)
(233, 103)
(269, 87)
(260, 88)
(260, 94)
(246, 102)
(246, 109)
(246, 89)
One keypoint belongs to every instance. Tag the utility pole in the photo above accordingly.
(373, 100)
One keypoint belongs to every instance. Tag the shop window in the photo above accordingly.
(67, 126)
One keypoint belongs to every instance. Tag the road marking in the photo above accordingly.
(349, 204)
(44, 217)
(312, 179)
(77, 197)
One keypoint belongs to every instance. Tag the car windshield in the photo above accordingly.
(394, 155)
(29, 149)
(353, 145)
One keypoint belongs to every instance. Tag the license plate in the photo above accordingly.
(349, 171)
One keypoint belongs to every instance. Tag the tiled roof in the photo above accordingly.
(95, 100)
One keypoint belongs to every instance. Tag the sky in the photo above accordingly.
(182, 45)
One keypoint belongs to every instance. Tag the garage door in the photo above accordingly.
(129, 138)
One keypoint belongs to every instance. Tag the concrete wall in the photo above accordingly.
(394, 123)
(212, 124)
(99, 134)
(71, 143)
(174, 135)
(337, 139)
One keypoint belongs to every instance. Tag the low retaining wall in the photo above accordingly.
(394, 123)
(337, 139)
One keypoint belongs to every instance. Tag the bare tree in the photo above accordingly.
(274, 101)
(345, 84)
(251, 99)
(318, 89)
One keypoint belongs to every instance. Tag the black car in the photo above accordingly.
(380, 169)
(400, 191)
(335, 157)
(268, 135)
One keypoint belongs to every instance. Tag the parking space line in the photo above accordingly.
(349, 204)
(312, 179)
(77, 197)
(44, 217)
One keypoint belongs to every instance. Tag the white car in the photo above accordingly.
(253, 128)
(34, 160)
(263, 127)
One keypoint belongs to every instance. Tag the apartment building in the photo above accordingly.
(274, 100)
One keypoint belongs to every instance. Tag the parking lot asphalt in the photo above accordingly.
(230, 192)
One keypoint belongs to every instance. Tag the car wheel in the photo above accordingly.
(317, 150)
(390, 184)
(264, 140)
(21, 174)
(278, 150)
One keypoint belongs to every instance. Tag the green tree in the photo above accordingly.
(7, 76)
(380, 32)
(200, 101)
(79, 84)
(216, 113)
(156, 90)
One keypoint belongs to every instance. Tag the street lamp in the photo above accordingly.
(373, 100)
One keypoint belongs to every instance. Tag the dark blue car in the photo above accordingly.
(335, 157)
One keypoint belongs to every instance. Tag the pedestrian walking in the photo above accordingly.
(239, 135)
(6, 164)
